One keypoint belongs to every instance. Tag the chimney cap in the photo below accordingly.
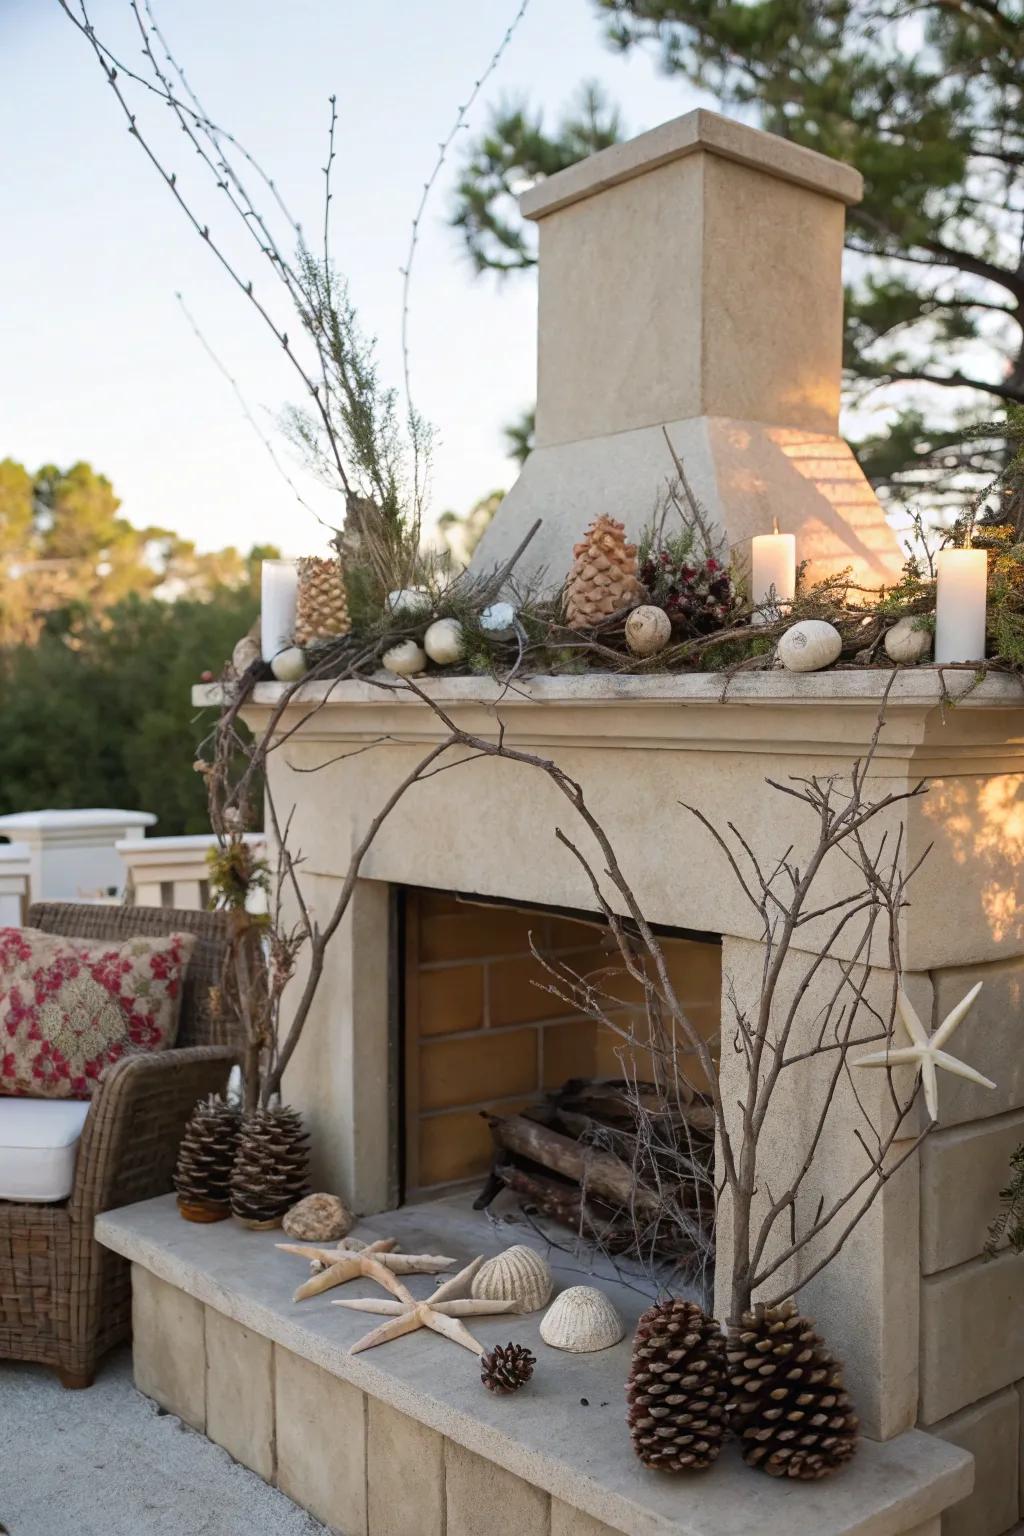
(686, 135)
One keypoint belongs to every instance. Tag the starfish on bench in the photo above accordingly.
(441, 1312)
(353, 1264)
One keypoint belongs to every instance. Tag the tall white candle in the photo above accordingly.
(279, 586)
(773, 570)
(960, 597)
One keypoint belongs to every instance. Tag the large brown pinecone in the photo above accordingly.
(506, 1367)
(322, 603)
(677, 1388)
(271, 1169)
(206, 1155)
(787, 1405)
(603, 578)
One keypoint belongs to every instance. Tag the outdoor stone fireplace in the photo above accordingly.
(689, 280)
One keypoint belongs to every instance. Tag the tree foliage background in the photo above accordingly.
(103, 630)
(927, 100)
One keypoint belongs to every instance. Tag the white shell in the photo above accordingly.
(408, 600)
(810, 645)
(444, 642)
(519, 1274)
(499, 619)
(581, 1320)
(406, 658)
(289, 665)
(246, 651)
(907, 642)
(648, 630)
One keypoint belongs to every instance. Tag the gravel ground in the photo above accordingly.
(107, 1462)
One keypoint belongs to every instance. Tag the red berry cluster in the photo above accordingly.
(698, 596)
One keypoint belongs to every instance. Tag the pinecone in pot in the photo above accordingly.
(506, 1368)
(271, 1169)
(677, 1388)
(321, 611)
(787, 1406)
(603, 578)
(206, 1156)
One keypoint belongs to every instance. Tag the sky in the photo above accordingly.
(97, 359)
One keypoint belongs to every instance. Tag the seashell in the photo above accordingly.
(444, 642)
(289, 665)
(520, 1275)
(408, 600)
(405, 659)
(580, 1320)
(906, 641)
(246, 651)
(648, 630)
(318, 1219)
(809, 646)
(499, 620)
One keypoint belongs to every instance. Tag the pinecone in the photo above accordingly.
(206, 1156)
(506, 1368)
(787, 1405)
(677, 1388)
(322, 603)
(603, 578)
(271, 1169)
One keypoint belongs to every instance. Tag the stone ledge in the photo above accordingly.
(580, 1455)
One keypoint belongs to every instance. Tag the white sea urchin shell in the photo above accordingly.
(519, 1274)
(580, 1320)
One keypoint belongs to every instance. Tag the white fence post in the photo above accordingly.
(15, 876)
(73, 854)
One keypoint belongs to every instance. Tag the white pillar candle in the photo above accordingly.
(773, 570)
(960, 597)
(279, 587)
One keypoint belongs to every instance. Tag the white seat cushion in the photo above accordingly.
(38, 1145)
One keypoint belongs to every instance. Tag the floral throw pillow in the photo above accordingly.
(70, 1007)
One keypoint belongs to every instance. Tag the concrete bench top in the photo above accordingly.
(564, 1433)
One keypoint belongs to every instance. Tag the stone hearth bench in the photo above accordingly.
(403, 1440)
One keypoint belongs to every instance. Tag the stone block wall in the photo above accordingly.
(972, 1338)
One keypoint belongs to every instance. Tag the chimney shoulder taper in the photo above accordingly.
(692, 279)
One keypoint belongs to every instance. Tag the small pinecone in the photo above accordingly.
(787, 1405)
(207, 1153)
(322, 603)
(603, 578)
(506, 1368)
(677, 1388)
(271, 1169)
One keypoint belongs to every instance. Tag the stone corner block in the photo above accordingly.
(481, 1498)
(321, 1442)
(169, 1347)
(567, 1521)
(240, 1393)
(990, 1430)
(969, 1346)
(404, 1474)
(963, 1168)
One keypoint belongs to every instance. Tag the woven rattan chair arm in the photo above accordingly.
(130, 1140)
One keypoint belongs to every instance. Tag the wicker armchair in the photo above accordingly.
(64, 1300)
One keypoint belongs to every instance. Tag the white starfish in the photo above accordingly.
(441, 1312)
(925, 1051)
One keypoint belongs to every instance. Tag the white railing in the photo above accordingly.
(72, 854)
(15, 883)
(173, 871)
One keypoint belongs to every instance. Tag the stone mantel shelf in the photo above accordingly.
(825, 712)
(580, 1455)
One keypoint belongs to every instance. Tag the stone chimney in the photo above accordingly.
(690, 280)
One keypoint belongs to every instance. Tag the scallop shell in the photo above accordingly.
(581, 1320)
(809, 646)
(520, 1275)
